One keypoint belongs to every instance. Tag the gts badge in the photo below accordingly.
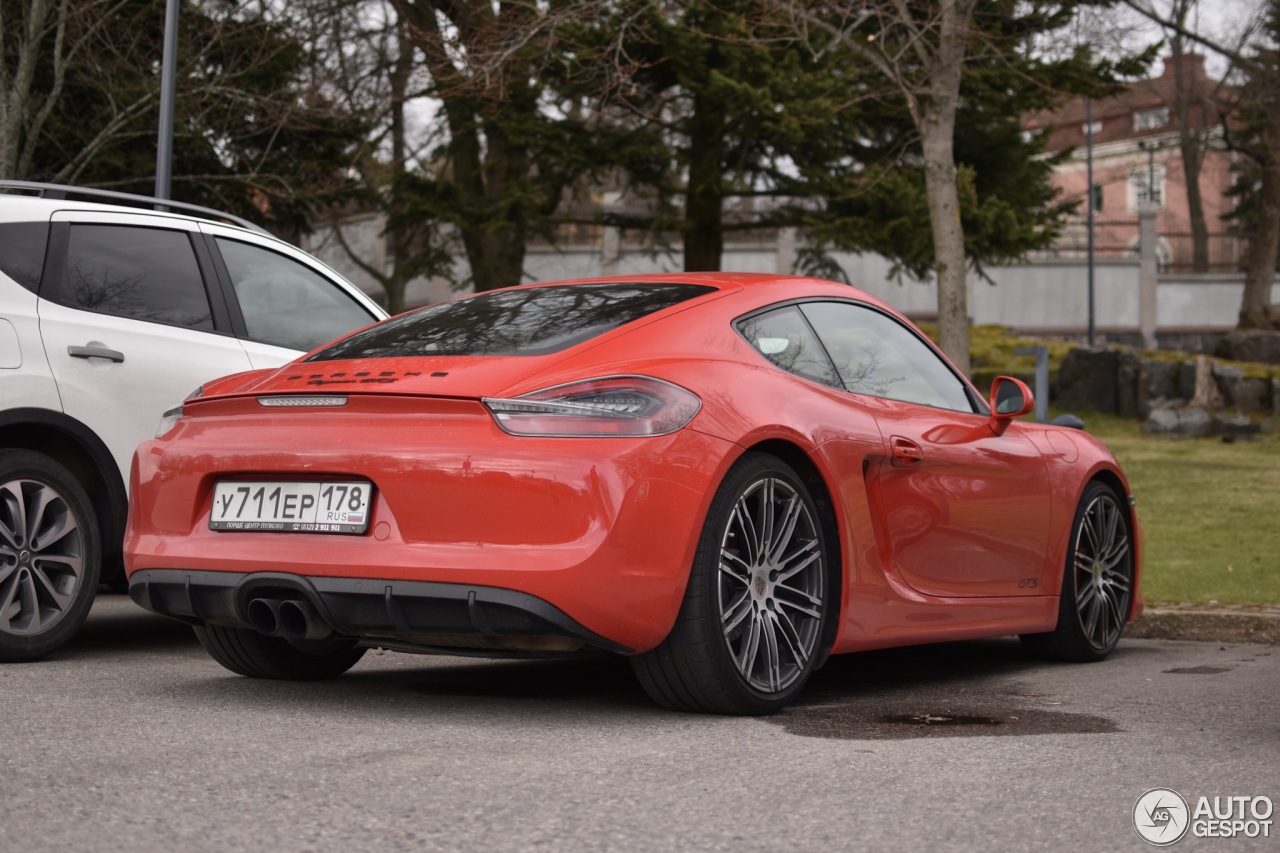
(1029, 583)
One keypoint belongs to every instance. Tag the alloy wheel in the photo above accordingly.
(41, 557)
(771, 585)
(1103, 571)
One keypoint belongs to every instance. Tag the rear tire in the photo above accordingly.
(1097, 582)
(50, 555)
(255, 655)
(750, 627)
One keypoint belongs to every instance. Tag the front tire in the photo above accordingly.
(1097, 584)
(50, 555)
(255, 655)
(749, 629)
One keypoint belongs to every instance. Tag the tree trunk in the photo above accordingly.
(704, 201)
(1191, 143)
(1195, 205)
(948, 239)
(1255, 309)
(936, 121)
(399, 245)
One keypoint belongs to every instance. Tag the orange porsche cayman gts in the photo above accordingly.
(724, 477)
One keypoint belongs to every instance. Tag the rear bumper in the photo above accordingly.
(604, 530)
(410, 614)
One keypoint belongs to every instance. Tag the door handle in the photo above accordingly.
(96, 352)
(905, 452)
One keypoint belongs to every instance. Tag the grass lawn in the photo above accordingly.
(1211, 512)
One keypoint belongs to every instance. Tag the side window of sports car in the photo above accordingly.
(878, 356)
(286, 303)
(22, 247)
(141, 273)
(784, 338)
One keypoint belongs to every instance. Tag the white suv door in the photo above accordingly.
(133, 327)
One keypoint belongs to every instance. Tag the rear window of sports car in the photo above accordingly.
(533, 321)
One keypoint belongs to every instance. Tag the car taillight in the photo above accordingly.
(610, 406)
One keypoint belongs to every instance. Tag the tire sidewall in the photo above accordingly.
(1069, 613)
(747, 471)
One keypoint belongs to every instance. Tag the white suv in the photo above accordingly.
(109, 315)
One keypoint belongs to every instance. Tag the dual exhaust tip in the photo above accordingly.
(291, 619)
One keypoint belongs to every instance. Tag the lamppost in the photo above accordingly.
(1088, 139)
(168, 87)
(1151, 146)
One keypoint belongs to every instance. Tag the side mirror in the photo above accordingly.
(1010, 399)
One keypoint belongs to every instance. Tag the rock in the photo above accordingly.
(1161, 421)
(1195, 423)
(1087, 380)
(1207, 394)
(1180, 420)
(1247, 395)
(1157, 381)
(1235, 427)
(1128, 373)
(1251, 345)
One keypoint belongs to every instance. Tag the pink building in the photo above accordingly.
(1136, 156)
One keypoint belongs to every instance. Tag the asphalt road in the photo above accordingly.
(132, 739)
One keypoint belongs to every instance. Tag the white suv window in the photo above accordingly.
(286, 303)
(140, 273)
(22, 246)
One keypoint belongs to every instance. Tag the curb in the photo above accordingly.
(1217, 625)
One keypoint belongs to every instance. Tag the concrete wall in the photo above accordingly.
(1045, 296)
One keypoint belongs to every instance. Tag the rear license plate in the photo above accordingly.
(326, 507)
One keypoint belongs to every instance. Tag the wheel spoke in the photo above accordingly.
(807, 554)
(766, 521)
(772, 660)
(808, 604)
(750, 646)
(783, 534)
(8, 593)
(1115, 555)
(42, 583)
(738, 611)
(735, 567)
(747, 527)
(789, 633)
(1084, 596)
(14, 524)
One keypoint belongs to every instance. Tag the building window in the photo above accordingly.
(1139, 191)
(1091, 127)
(1150, 119)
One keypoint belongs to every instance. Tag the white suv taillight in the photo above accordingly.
(609, 406)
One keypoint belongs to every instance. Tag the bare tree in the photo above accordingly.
(920, 50)
(1258, 61)
(39, 41)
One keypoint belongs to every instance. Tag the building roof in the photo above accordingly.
(1116, 115)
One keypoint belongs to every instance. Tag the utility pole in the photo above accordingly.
(1088, 140)
(168, 88)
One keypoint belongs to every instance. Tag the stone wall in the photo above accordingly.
(1121, 381)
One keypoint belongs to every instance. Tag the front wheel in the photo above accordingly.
(49, 555)
(1097, 584)
(749, 629)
